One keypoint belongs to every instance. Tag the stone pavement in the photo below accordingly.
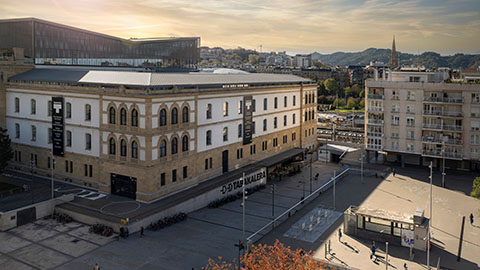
(46, 244)
(403, 194)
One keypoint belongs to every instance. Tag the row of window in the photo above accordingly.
(68, 136)
(254, 103)
(309, 98)
(68, 109)
(123, 148)
(112, 114)
(162, 120)
(163, 176)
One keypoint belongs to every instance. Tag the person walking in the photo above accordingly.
(96, 267)
(393, 171)
(141, 231)
(405, 267)
(372, 255)
(340, 235)
(471, 219)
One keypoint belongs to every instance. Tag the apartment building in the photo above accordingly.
(416, 117)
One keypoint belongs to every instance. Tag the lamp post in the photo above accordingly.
(243, 210)
(443, 162)
(32, 165)
(361, 166)
(430, 221)
(53, 164)
(311, 153)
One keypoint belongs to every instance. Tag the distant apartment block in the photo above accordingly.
(415, 117)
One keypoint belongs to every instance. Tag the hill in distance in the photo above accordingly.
(427, 59)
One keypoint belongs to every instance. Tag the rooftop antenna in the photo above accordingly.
(261, 46)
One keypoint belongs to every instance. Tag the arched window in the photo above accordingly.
(185, 114)
(134, 118)
(17, 104)
(185, 143)
(68, 107)
(225, 134)
(123, 116)
(123, 148)
(209, 111)
(174, 146)
(163, 117)
(163, 148)
(209, 137)
(111, 118)
(134, 149)
(88, 112)
(275, 102)
(174, 116)
(33, 106)
(112, 146)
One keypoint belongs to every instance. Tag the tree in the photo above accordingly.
(6, 152)
(321, 90)
(253, 59)
(476, 188)
(352, 103)
(362, 103)
(266, 257)
(331, 86)
(356, 90)
(340, 102)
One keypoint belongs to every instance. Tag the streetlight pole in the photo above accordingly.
(361, 166)
(334, 190)
(430, 221)
(243, 210)
(386, 256)
(310, 172)
(32, 165)
(53, 162)
(443, 163)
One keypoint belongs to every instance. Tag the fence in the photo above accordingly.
(284, 216)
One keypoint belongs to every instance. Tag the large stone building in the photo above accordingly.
(47, 42)
(145, 135)
(416, 117)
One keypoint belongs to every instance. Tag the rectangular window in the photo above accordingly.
(34, 133)
(240, 106)
(275, 103)
(265, 104)
(68, 113)
(174, 176)
(210, 160)
(294, 101)
(225, 109)
(69, 138)
(33, 109)
(284, 120)
(293, 119)
(206, 164)
(66, 166)
(209, 111)
(85, 169)
(88, 112)
(411, 134)
(185, 172)
(284, 139)
(254, 105)
(275, 122)
(50, 108)
(410, 121)
(253, 127)
(285, 101)
(162, 179)
(294, 136)
(90, 170)
(17, 105)
(50, 135)
(264, 124)
(71, 166)
(88, 141)
(252, 149)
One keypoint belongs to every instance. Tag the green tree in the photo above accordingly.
(331, 86)
(476, 188)
(321, 90)
(253, 59)
(356, 90)
(340, 102)
(352, 103)
(6, 152)
(362, 103)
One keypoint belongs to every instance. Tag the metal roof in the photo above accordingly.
(154, 79)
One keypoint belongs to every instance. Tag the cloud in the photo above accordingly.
(445, 26)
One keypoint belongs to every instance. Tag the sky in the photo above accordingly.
(295, 26)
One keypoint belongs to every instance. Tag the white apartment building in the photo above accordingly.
(415, 117)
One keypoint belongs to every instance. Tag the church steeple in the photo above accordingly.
(393, 63)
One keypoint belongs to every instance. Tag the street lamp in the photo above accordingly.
(32, 165)
(430, 221)
(303, 182)
(310, 153)
(53, 165)
(361, 165)
(443, 162)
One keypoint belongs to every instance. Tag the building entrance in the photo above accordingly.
(125, 186)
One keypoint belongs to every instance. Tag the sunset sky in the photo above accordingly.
(296, 26)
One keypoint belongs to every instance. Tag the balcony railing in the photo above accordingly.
(440, 154)
(475, 101)
(374, 109)
(475, 115)
(374, 146)
(436, 139)
(452, 127)
(432, 126)
(395, 97)
(395, 123)
(443, 100)
(375, 96)
(443, 113)
(395, 110)
(375, 122)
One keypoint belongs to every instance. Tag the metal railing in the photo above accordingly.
(445, 154)
(375, 122)
(374, 109)
(436, 139)
(271, 224)
(443, 113)
(375, 96)
(432, 126)
(443, 100)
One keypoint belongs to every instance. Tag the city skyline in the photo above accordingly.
(325, 26)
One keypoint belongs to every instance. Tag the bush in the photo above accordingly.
(476, 188)
(352, 103)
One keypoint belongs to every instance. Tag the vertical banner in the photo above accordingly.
(247, 119)
(57, 126)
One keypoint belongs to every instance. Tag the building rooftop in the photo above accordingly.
(131, 78)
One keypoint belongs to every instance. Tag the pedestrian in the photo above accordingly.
(393, 171)
(405, 267)
(96, 267)
(141, 231)
(340, 235)
(373, 253)
(471, 218)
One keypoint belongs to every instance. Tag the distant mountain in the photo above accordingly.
(427, 59)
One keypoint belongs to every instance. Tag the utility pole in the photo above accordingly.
(310, 172)
(53, 162)
(386, 256)
(430, 221)
(243, 210)
(361, 166)
(334, 190)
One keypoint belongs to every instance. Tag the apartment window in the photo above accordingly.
(239, 153)
(285, 101)
(240, 130)
(284, 120)
(85, 169)
(123, 148)
(209, 137)
(411, 134)
(293, 119)
(395, 135)
(174, 176)
(209, 111)
(163, 148)
(309, 98)
(66, 166)
(395, 108)
(185, 172)
(174, 116)
(275, 103)
(162, 179)
(253, 127)
(134, 116)
(395, 145)
(50, 135)
(275, 122)
(225, 109)
(33, 106)
(395, 94)
(34, 133)
(240, 106)
(111, 116)
(163, 118)
(294, 136)
(410, 147)
(275, 142)
(50, 107)
(306, 116)
(306, 99)
(68, 113)
(225, 134)
(264, 124)
(410, 109)
(309, 115)
(184, 143)
(88, 141)
(294, 101)
(174, 146)
(69, 138)
(90, 170)
(410, 95)
(185, 116)
(264, 145)
(134, 149)
(88, 112)
(475, 98)
(265, 104)
(285, 139)
(395, 120)
(17, 105)
(252, 149)
(254, 105)
(410, 121)
(206, 164)
(112, 146)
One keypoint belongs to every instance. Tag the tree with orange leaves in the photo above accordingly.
(265, 257)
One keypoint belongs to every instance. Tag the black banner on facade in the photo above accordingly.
(247, 119)
(57, 126)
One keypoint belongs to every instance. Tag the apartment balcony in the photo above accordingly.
(376, 122)
(395, 98)
(375, 96)
(374, 134)
(443, 100)
(374, 147)
(440, 154)
(375, 109)
(443, 113)
(452, 127)
(475, 115)
(432, 126)
(475, 156)
(436, 140)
